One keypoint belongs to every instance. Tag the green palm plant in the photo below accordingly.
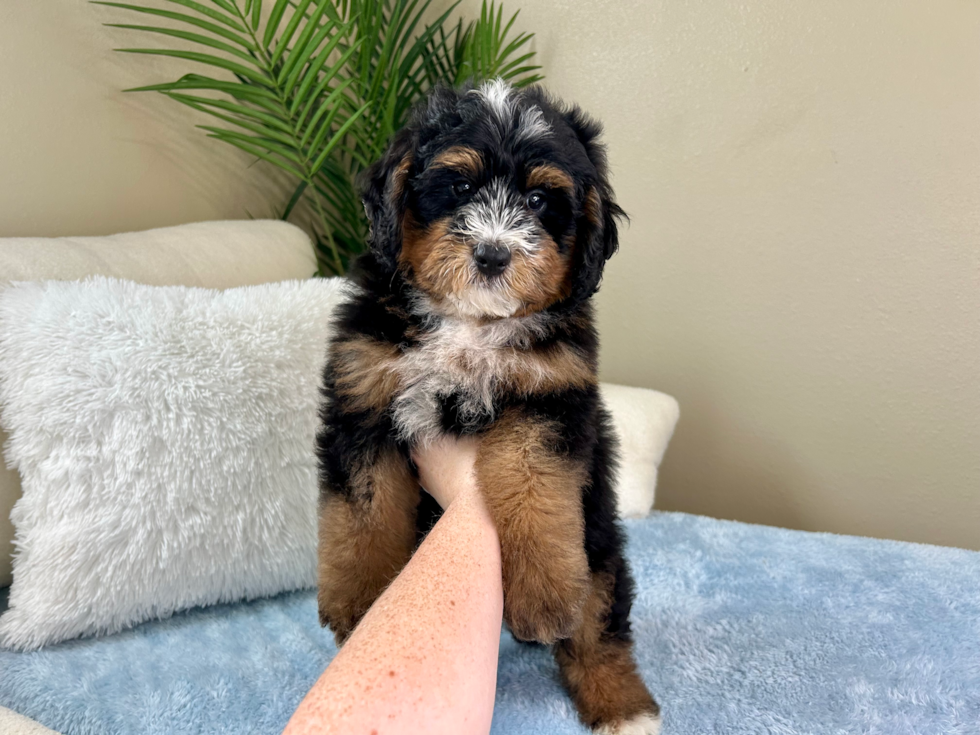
(317, 87)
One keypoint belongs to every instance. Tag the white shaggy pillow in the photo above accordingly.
(164, 436)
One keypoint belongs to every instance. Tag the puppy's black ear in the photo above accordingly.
(384, 186)
(383, 193)
(598, 231)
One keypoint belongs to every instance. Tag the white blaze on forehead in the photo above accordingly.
(502, 100)
(494, 217)
(499, 97)
(532, 124)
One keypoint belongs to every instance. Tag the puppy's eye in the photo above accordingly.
(535, 201)
(462, 188)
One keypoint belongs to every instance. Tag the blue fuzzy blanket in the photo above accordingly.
(739, 630)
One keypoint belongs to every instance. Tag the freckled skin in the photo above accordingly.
(443, 679)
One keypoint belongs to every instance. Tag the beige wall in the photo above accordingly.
(78, 157)
(803, 266)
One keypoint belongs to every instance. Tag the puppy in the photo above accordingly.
(491, 220)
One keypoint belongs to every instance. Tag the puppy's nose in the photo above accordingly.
(491, 260)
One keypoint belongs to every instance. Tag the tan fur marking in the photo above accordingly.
(593, 207)
(554, 368)
(534, 497)
(365, 370)
(547, 175)
(365, 540)
(441, 265)
(399, 176)
(460, 158)
(598, 671)
(541, 279)
(438, 261)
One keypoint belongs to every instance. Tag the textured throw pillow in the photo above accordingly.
(164, 438)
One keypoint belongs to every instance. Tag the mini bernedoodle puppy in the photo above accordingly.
(491, 220)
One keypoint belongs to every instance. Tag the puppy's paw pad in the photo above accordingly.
(644, 724)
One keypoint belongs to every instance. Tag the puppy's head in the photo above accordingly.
(494, 202)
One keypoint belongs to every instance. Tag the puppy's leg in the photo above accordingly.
(596, 662)
(598, 670)
(367, 534)
(534, 495)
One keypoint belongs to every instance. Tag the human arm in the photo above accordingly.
(424, 657)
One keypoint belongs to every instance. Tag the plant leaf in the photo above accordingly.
(245, 144)
(231, 66)
(195, 82)
(337, 137)
(213, 14)
(287, 35)
(272, 25)
(311, 75)
(258, 141)
(325, 105)
(187, 36)
(294, 199)
(317, 87)
(307, 43)
(183, 18)
(261, 118)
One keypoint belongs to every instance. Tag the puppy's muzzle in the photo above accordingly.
(491, 260)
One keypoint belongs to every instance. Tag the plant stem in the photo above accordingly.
(338, 263)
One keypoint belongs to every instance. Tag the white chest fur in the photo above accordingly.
(462, 358)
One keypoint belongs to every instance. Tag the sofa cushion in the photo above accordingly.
(205, 254)
(644, 421)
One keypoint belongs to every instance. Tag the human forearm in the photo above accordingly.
(424, 657)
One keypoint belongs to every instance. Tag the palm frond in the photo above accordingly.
(317, 87)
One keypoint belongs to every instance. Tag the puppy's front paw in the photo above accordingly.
(647, 723)
(545, 614)
(341, 620)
